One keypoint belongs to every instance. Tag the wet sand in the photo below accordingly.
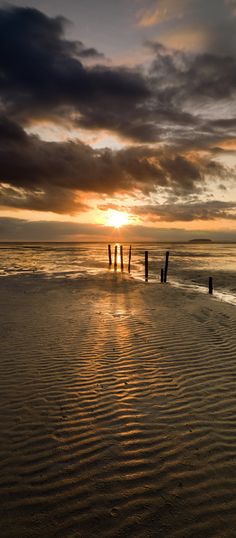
(117, 412)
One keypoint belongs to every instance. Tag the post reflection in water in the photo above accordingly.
(118, 257)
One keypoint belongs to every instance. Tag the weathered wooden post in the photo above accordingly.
(146, 265)
(129, 264)
(115, 258)
(162, 275)
(121, 258)
(109, 255)
(210, 285)
(166, 266)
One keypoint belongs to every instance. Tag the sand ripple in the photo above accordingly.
(117, 412)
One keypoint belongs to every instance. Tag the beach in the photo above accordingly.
(118, 269)
(117, 409)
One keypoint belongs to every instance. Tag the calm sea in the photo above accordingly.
(190, 264)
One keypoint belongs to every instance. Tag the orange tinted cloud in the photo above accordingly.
(229, 145)
(190, 39)
(160, 11)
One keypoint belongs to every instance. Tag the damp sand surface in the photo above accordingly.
(117, 410)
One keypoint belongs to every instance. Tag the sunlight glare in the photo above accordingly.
(116, 218)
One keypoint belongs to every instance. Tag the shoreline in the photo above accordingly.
(188, 287)
(189, 267)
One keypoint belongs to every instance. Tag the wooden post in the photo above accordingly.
(166, 266)
(146, 265)
(162, 274)
(210, 285)
(115, 259)
(109, 255)
(121, 258)
(129, 259)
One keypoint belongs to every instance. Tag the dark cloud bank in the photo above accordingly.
(44, 75)
(23, 230)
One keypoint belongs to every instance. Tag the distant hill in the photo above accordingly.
(200, 240)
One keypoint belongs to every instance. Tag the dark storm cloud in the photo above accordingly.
(50, 198)
(183, 89)
(26, 230)
(223, 124)
(180, 75)
(48, 176)
(42, 75)
(11, 132)
(209, 210)
(88, 53)
(194, 96)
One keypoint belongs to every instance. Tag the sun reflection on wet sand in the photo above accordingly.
(109, 390)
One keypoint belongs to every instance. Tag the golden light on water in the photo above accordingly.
(116, 218)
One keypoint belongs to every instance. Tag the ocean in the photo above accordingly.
(190, 264)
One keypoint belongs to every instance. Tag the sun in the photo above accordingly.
(116, 218)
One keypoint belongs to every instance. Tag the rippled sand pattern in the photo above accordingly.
(118, 411)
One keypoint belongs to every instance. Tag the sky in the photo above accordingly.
(117, 120)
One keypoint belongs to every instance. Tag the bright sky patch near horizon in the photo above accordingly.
(118, 108)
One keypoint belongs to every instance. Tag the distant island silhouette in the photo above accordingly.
(200, 240)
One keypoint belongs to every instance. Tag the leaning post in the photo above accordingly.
(129, 264)
(210, 285)
(166, 266)
(162, 275)
(109, 255)
(121, 258)
(146, 265)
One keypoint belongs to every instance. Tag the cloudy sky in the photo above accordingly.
(118, 112)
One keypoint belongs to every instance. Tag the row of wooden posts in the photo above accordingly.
(164, 271)
(121, 258)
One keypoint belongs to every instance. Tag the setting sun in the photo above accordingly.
(116, 218)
